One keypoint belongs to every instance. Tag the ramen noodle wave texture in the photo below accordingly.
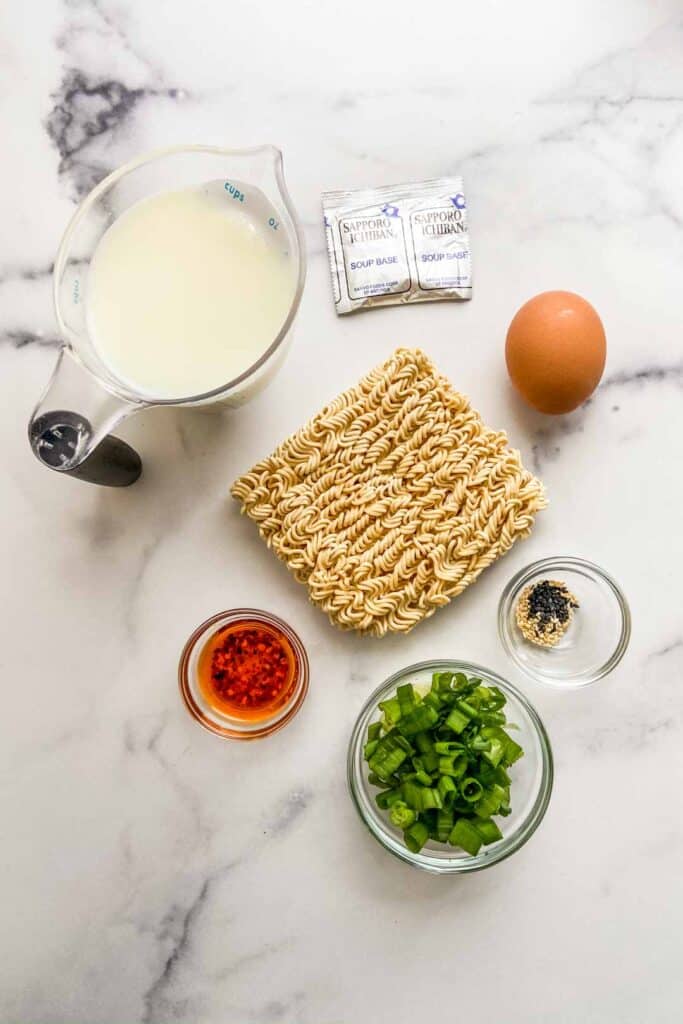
(391, 500)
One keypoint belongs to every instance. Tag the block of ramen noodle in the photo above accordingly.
(393, 499)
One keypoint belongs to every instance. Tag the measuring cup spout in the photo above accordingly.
(273, 179)
(69, 429)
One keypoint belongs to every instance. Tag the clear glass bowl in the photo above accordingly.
(223, 724)
(532, 776)
(597, 637)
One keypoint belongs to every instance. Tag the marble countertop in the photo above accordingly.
(153, 873)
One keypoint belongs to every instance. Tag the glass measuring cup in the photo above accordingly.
(84, 401)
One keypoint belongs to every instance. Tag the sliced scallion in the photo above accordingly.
(440, 761)
(387, 798)
(471, 789)
(465, 834)
(369, 749)
(401, 815)
(444, 824)
(406, 698)
(392, 711)
(412, 794)
(448, 748)
(418, 719)
(454, 765)
(374, 731)
(456, 720)
(431, 798)
(487, 829)
(447, 789)
(416, 836)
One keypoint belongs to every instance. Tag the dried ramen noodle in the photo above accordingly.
(392, 499)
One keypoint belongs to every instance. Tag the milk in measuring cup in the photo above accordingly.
(187, 290)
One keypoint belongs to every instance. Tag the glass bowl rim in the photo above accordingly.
(509, 844)
(557, 562)
(235, 615)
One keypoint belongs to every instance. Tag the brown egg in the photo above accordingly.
(555, 351)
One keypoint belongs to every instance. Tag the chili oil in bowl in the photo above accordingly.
(594, 641)
(243, 674)
(531, 785)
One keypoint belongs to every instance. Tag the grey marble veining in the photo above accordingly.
(153, 874)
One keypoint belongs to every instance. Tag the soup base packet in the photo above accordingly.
(398, 244)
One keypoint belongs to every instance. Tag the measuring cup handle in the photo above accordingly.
(56, 435)
(80, 444)
(112, 464)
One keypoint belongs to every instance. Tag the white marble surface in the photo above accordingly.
(152, 873)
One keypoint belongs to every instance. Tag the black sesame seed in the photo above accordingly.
(549, 603)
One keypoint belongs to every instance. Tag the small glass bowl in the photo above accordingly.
(597, 637)
(532, 776)
(221, 723)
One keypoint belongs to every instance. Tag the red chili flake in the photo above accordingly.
(246, 668)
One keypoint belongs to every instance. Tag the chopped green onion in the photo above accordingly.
(412, 794)
(425, 745)
(466, 709)
(444, 747)
(494, 752)
(492, 717)
(401, 815)
(497, 700)
(444, 824)
(456, 720)
(422, 717)
(387, 798)
(406, 698)
(369, 749)
(441, 681)
(416, 836)
(388, 756)
(392, 711)
(491, 801)
(431, 798)
(433, 700)
(511, 750)
(487, 829)
(374, 731)
(423, 742)
(454, 764)
(464, 834)
(447, 789)
(434, 784)
(471, 789)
